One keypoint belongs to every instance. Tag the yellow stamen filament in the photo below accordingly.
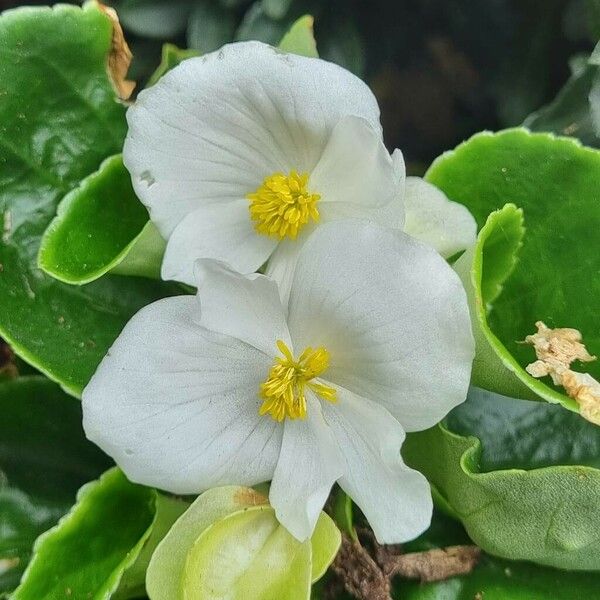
(283, 390)
(282, 205)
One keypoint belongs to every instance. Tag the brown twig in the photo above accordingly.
(369, 578)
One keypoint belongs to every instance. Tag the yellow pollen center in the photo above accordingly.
(283, 390)
(282, 205)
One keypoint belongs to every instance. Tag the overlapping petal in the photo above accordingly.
(392, 314)
(246, 307)
(176, 405)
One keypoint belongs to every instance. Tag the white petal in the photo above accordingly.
(220, 231)
(215, 126)
(393, 213)
(395, 499)
(282, 264)
(176, 405)
(246, 307)
(309, 464)
(447, 226)
(392, 314)
(356, 173)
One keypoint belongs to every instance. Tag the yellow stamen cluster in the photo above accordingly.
(283, 390)
(282, 205)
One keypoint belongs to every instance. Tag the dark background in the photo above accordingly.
(441, 69)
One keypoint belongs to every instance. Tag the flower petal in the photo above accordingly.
(395, 499)
(215, 126)
(393, 213)
(282, 264)
(355, 173)
(246, 307)
(309, 464)
(220, 231)
(177, 405)
(392, 314)
(447, 226)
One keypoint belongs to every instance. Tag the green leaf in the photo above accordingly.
(90, 551)
(492, 578)
(171, 57)
(511, 503)
(96, 226)
(483, 269)
(300, 39)
(210, 26)
(555, 182)
(343, 513)
(44, 458)
(60, 119)
(166, 572)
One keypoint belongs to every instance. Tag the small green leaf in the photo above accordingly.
(96, 226)
(492, 578)
(88, 554)
(171, 57)
(343, 513)
(300, 39)
(60, 119)
(555, 182)
(325, 542)
(210, 26)
(531, 492)
(44, 458)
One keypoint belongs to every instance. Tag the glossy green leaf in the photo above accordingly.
(96, 226)
(170, 58)
(510, 501)
(483, 269)
(249, 555)
(60, 119)
(88, 554)
(492, 578)
(44, 459)
(555, 182)
(300, 39)
(210, 26)
(166, 571)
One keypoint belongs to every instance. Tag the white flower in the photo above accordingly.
(229, 388)
(241, 153)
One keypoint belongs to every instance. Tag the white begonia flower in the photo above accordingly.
(230, 388)
(240, 154)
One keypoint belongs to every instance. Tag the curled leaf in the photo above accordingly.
(119, 57)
